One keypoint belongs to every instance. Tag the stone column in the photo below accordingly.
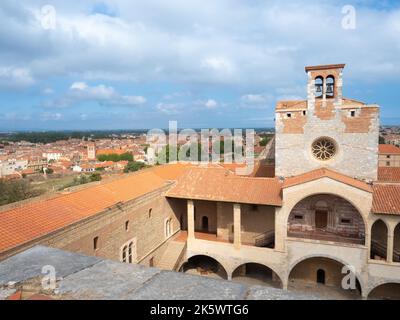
(390, 245)
(237, 225)
(190, 219)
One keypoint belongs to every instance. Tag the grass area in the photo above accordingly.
(53, 184)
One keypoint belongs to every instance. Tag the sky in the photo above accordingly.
(133, 64)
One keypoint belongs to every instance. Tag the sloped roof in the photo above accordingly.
(326, 173)
(31, 221)
(216, 184)
(388, 149)
(386, 199)
(389, 174)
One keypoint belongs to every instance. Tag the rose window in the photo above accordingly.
(324, 149)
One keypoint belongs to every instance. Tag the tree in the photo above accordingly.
(13, 191)
(133, 166)
(96, 176)
(382, 140)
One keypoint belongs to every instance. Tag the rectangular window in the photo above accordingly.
(289, 115)
(345, 221)
(127, 226)
(388, 163)
(387, 157)
(298, 217)
(304, 112)
(352, 113)
(95, 243)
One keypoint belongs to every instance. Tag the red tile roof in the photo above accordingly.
(389, 174)
(31, 221)
(326, 173)
(386, 199)
(388, 149)
(216, 184)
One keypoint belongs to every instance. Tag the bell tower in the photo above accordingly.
(326, 130)
(325, 85)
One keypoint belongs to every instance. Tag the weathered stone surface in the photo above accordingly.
(106, 280)
(265, 293)
(29, 264)
(178, 286)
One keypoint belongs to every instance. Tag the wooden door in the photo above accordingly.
(321, 219)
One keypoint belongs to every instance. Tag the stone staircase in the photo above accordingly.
(173, 255)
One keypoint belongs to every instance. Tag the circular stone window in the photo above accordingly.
(324, 149)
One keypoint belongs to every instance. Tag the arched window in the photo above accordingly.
(379, 237)
(319, 86)
(124, 254)
(128, 252)
(330, 87)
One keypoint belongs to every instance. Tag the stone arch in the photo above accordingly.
(255, 270)
(348, 199)
(330, 86)
(204, 265)
(329, 257)
(327, 216)
(319, 86)
(379, 237)
(378, 291)
(396, 244)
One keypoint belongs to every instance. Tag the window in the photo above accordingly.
(95, 243)
(387, 157)
(150, 212)
(388, 163)
(345, 221)
(289, 115)
(151, 263)
(298, 217)
(128, 252)
(330, 87)
(324, 149)
(127, 225)
(304, 112)
(352, 113)
(319, 84)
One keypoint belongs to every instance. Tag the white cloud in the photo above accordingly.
(48, 116)
(14, 77)
(102, 94)
(169, 108)
(211, 104)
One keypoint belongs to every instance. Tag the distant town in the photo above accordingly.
(37, 163)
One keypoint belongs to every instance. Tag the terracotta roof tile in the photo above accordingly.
(23, 224)
(322, 173)
(388, 149)
(389, 174)
(386, 199)
(216, 184)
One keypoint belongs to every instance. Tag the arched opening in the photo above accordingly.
(387, 291)
(321, 276)
(396, 244)
(167, 228)
(326, 217)
(204, 223)
(379, 237)
(256, 274)
(330, 87)
(204, 266)
(325, 277)
(319, 86)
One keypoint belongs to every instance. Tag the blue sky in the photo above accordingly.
(206, 63)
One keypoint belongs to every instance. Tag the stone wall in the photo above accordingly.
(339, 211)
(352, 125)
